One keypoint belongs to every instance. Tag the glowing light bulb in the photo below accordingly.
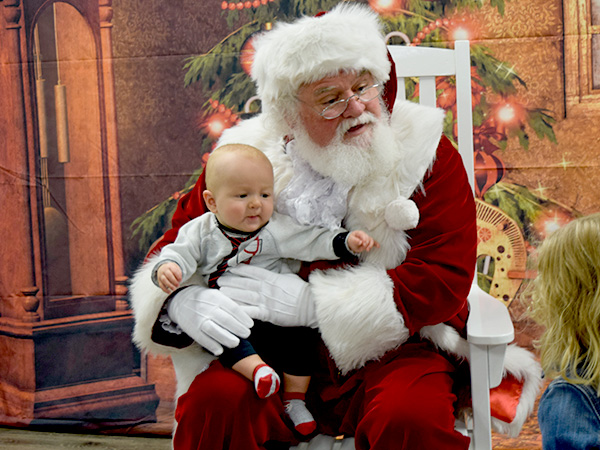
(216, 127)
(552, 226)
(460, 34)
(386, 6)
(506, 113)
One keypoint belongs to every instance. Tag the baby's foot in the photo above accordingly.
(266, 381)
(303, 421)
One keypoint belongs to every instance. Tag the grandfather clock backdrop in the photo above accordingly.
(65, 348)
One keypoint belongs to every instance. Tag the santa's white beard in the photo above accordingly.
(349, 163)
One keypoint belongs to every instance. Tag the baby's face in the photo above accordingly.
(244, 199)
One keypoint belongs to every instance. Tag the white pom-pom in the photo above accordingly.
(402, 214)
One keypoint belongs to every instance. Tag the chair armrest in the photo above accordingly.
(489, 322)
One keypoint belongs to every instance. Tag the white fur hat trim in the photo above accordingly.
(348, 37)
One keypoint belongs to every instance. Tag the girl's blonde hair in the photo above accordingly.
(566, 300)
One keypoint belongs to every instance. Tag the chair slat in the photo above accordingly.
(427, 91)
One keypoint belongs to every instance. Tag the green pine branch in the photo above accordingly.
(221, 61)
(541, 122)
(497, 75)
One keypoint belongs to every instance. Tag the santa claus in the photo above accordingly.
(393, 325)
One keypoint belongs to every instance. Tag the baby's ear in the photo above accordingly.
(209, 199)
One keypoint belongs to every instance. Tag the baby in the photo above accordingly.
(242, 228)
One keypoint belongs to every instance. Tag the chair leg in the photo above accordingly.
(480, 395)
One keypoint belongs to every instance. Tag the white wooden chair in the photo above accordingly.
(489, 327)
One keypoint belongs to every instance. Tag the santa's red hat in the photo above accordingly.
(349, 37)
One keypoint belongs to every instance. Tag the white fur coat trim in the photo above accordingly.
(357, 316)
(147, 300)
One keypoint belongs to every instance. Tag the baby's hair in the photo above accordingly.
(566, 300)
(216, 163)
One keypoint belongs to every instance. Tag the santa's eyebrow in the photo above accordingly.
(327, 89)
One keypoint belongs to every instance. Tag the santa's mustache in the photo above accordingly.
(364, 119)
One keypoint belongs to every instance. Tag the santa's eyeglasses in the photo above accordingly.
(364, 94)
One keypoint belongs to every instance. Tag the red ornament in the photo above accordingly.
(489, 170)
(447, 99)
(485, 138)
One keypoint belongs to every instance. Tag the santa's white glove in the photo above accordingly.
(282, 299)
(209, 318)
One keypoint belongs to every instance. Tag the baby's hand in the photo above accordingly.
(169, 276)
(359, 241)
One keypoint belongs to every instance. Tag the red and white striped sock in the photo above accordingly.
(266, 380)
(295, 408)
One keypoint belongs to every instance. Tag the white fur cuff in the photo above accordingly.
(357, 315)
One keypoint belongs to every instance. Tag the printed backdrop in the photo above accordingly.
(109, 109)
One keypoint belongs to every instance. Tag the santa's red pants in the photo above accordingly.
(405, 403)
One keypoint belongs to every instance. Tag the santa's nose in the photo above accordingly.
(354, 108)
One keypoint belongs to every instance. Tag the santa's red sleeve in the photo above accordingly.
(432, 283)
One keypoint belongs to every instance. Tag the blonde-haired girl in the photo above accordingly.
(566, 300)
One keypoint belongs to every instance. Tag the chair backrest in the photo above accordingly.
(427, 63)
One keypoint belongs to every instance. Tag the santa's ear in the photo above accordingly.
(209, 199)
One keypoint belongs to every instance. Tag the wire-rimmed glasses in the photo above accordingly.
(337, 108)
